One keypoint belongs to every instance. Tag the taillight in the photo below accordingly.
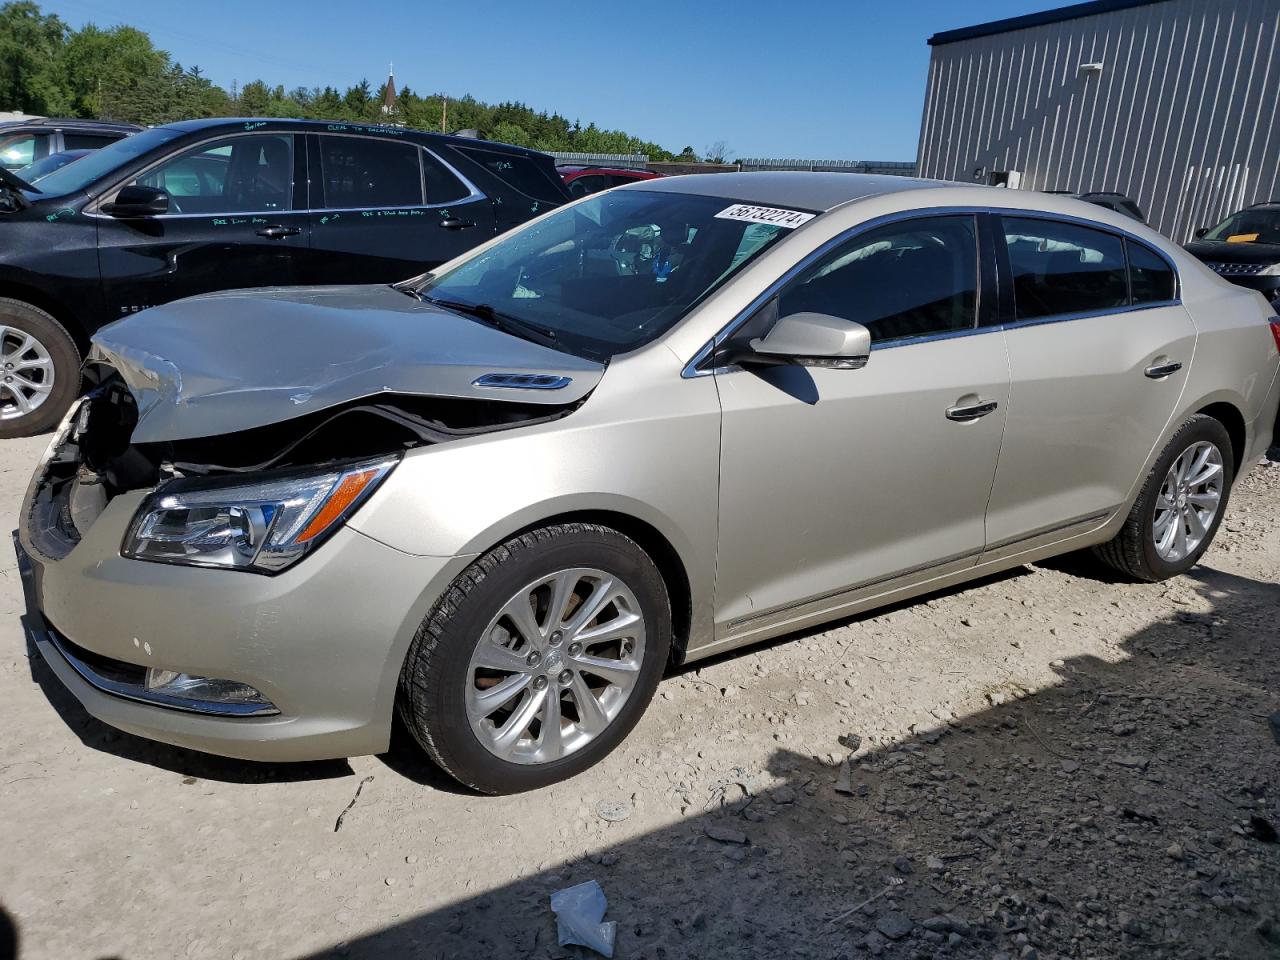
(1275, 330)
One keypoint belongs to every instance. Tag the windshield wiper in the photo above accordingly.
(502, 321)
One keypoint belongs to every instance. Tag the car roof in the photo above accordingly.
(341, 126)
(790, 188)
(70, 124)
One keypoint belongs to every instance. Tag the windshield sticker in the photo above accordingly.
(1242, 238)
(773, 215)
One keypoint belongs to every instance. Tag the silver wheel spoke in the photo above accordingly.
(511, 731)
(1196, 526)
(619, 628)
(1180, 538)
(488, 700)
(1209, 500)
(591, 716)
(25, 345)
(18, 398)
(493, 656)
(520, 610)
(602, 593)
(621, 673)
(1204, 474)
(551, 737)
(561, 594)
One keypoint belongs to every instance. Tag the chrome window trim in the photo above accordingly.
(474, 193)
(690, 369)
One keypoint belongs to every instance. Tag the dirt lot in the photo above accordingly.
(1047, 765)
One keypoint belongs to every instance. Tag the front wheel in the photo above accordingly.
(539, 658)
(1180, 507)
(39, 370)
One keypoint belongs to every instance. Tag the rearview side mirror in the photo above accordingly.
(1201, 231)
(811, 340)
(135, 201)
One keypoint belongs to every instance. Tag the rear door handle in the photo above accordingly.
(972, 411)
(453, 223)
(277, 232)
(1162, 370)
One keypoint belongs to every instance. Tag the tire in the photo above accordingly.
(51, 340)
(444, 676)
(1134, 551)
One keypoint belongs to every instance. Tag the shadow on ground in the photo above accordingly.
(1121, 813)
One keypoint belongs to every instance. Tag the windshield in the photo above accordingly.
(612, 273)
(1248, 226)
(75, 177)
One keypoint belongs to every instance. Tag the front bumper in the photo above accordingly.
(323, 641)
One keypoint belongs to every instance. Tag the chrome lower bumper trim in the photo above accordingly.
(139, 693)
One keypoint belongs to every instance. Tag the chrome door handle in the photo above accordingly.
(1162, 370)
(972, 411)
(455, 223)
(277, 232)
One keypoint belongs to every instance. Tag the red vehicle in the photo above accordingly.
(582, 180)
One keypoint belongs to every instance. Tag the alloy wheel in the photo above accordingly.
(555, 666)
(1188, 501)
(26, 373)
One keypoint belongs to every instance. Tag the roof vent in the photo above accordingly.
(522, 381)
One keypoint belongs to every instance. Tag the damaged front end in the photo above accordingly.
(256, 499)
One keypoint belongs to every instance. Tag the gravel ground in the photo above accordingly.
(1043, 764)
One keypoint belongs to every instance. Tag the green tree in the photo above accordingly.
(30, 43)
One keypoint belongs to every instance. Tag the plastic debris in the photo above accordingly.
(844, 778)
(579, 918)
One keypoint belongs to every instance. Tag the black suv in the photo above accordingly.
(1245, 249)
(23, 142)
(208, 205)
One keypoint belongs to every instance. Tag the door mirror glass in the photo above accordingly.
(812, 340)
(134, 201)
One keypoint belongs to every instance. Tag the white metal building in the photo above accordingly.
(1171, 102)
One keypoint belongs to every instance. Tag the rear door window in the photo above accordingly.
(901, 281)
(1150, 277)
(442, 184)
(518, 172)
(361, 172)
(1062, 268)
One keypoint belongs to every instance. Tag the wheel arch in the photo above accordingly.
(653, 541)
(42, 300)
(1232, 419)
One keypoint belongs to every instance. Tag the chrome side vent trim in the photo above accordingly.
(522, 381)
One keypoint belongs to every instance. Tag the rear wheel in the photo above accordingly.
(1180, 507)
(539, 659)
(39, 370)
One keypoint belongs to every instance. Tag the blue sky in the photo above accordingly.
(840, 80)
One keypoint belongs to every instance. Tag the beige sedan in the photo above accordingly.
(656, 424)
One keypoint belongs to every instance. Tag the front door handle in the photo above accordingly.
(972, 411)
(1162, 370)
(453, 223)
(277, 232)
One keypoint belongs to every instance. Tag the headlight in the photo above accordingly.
(1271, 271)
(262, 526)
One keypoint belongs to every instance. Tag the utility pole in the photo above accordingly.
(444, 115)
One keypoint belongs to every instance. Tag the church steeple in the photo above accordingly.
(389, 95)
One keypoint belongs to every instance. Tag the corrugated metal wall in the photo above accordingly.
(1183, 116)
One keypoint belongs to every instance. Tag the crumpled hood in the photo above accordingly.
(230, 361)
